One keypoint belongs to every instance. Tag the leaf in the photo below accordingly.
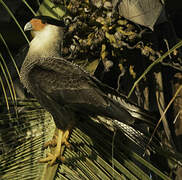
(143, 12)
(103, 51)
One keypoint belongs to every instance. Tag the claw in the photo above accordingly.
(51, 159)
(65, 139)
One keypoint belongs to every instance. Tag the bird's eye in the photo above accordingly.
(43, 21)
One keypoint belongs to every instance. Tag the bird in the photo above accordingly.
(65, 89)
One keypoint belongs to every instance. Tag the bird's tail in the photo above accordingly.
(136, 136)
(134, 110)
(121, 102)
(140, 138)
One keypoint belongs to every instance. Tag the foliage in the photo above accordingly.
(95, 37)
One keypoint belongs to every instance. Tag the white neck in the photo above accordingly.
(46, 43)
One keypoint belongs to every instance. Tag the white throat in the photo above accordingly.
(47, 42)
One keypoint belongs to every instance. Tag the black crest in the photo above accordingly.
(50, 20)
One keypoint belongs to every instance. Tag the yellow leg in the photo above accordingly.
(65, 138)
(58, 141)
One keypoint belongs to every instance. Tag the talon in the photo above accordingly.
(65, 137)
(51, 159)
(67, 144)
(61, 158)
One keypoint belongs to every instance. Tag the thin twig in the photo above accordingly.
(162, 116)
(160, 59)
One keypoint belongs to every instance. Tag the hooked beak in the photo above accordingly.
(28, 27)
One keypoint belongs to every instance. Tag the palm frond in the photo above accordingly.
(95, 155)
(22, 142)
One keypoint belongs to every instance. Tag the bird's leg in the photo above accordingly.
(53, 142)
(62, 138)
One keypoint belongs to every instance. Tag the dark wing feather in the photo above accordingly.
(133, 109)
(65, 89)
(74, 89)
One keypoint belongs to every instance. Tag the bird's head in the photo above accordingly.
(47, 35)
(39, 23)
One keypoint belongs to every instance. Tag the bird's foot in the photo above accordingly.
(53, 142)
(51, 159)
(57, 141)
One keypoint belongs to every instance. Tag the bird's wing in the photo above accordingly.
(134, 110)
(58, 93)
(68, 84)
(71, 87)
